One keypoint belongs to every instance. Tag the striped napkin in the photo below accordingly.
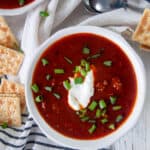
(63, 13)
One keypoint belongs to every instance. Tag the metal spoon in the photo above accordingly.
(100, 6)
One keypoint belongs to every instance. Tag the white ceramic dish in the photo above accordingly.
(21, 10)
(128, 124)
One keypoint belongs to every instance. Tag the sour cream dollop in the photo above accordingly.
(79, 95)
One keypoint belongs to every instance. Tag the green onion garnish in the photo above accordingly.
(103, 121)
(57, 95)
(78, 80)
(39, 99)
(68, 60)
(85, 118)
(44, 14)
(48, 88)
(92, 129)
(102, 104)
(77, 69)
(119, 118)
(21, 2)
(107, 63)
(98, 113)
(115, 108)
(4, 125)
(67, 85)
(83, 72)
(87, 67)
(44, 62)
(111, 126)
(35, 88)
(94, 56)
(59, 71)
(113, 99)
(48, 76)
(86, 50)
(92, 106)
(20, 50)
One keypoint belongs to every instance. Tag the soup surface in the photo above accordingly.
(11, 4)
(64, 68)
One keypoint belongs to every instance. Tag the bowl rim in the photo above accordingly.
(20, 10)
(130, 121)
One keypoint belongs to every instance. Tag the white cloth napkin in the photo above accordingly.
(63, 13)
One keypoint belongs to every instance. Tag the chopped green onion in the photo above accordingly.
(92, 121)
(83, 72)
(92, 106)
(4, 125)
(44, 14)
(48, 88)
(57, 95)
(59, 71)
(44, 61)
(21, 2)
(94, 56)
(107, 63)
(86, 50)
(111, 126)
(98, 113)
(20, 50)
(77, 69)
(92, 129)
(103, 121)
(113, 99)
(115, 108)
(67, 85)
(48, 76)
(85, 118)
(102, 104)
(78, 80)
(68, 60)
(35, 88)
(119, 118)
(87, 67)
(39, 99)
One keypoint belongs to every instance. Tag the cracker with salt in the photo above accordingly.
(7, 38)
(10, 61)
(10, 111)
(10, 87)
(142, 32)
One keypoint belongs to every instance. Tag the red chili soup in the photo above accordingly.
(114, 85)
(12, 4)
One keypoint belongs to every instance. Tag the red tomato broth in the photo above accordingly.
(57, 113)
(12, 4)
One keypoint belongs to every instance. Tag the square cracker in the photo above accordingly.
(10, 111)
(10, 61)
(10, 87)
(7, 38)
(142, 32)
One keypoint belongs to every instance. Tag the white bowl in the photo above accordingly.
(131, 120)
(21, 10)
